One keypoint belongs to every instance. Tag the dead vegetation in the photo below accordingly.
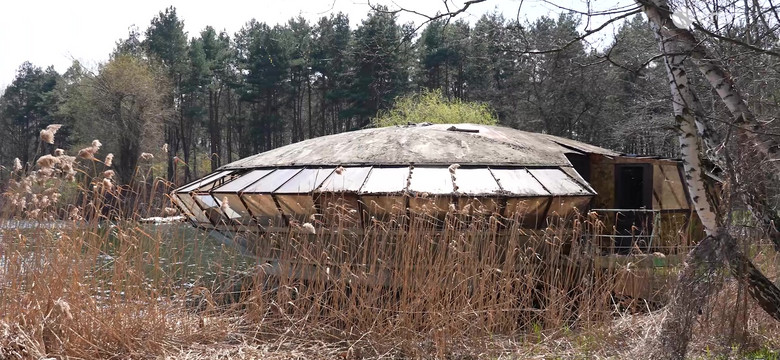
(82, 279)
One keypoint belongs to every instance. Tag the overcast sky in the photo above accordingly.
(55, 32)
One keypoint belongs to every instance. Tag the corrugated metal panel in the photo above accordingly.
(272, 181)
(348, 179)
(243, 181)
(518, 182)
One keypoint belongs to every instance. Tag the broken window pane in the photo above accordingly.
(297, 206)
(190, 204)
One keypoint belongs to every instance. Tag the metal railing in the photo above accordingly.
(624, 239)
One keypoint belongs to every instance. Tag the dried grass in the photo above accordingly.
(96, 284)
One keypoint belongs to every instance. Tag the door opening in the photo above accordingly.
(633, 196)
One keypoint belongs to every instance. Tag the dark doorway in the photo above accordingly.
(581, 164)
(633, 196)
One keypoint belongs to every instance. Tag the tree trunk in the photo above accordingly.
(697, 279)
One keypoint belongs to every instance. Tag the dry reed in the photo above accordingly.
(92, 282)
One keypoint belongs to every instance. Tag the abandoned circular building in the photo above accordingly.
(381, 172)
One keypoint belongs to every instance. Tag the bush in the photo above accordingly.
(433, 107)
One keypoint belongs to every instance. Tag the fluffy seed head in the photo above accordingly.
(87, 153)
(47, 161)
(146, 156)
(17, 164)
(59, 152)
(308, 228)
(47, 134)
(225, 204)
(109, 159)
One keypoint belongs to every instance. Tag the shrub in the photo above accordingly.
(433, 107)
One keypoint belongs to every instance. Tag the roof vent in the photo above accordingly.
(453, 128)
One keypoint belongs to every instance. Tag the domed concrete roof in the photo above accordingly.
(375, 172)
(440, 144)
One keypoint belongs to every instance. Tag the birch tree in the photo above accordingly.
(681, 49)
(695, 282)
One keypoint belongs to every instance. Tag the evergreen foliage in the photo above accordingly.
(226, 96)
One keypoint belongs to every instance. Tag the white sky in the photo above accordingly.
(55, 32)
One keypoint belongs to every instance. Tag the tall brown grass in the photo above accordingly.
(104, 285)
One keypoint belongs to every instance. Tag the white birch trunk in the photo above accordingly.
(747, 126)
(700, 271)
